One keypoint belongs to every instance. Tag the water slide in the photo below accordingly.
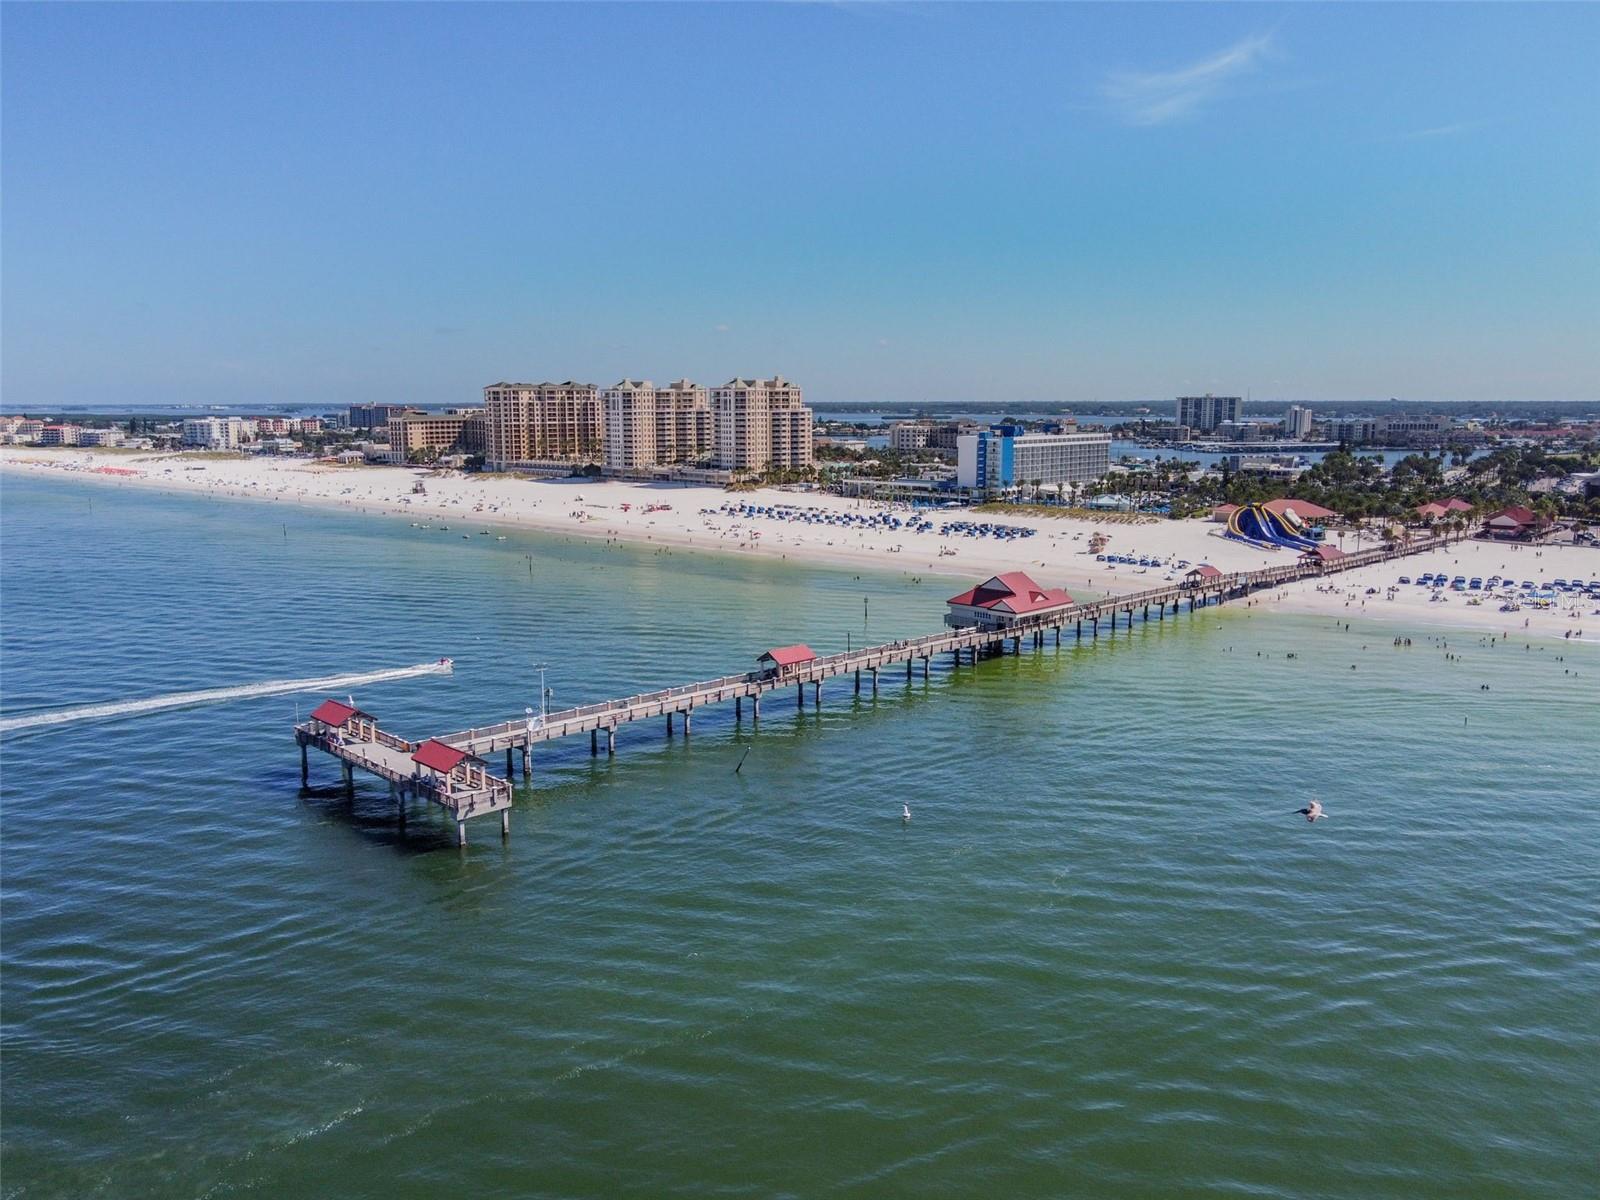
(1254, 524)
(276, 687)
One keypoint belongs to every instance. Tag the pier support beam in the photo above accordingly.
(461, 832)
(755, 706)
(816, 693)
(505, 822)
(669, 724)
(1058, 637)
(858, 681)
(305, 766)
(1080, 629)
(510, 770)
(685, 725)
(800, 695)
(594, 742)
(611, 741)
(908, 670)
(925, 666)
(738, 708)
(874, 681)
(349, 777)
(527, 762)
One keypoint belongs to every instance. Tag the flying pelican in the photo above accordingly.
(1312, 811)
(905, 812)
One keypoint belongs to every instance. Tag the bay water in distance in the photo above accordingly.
(1104, 958)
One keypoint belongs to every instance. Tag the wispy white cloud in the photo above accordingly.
(1160, 97)
(1439, 131)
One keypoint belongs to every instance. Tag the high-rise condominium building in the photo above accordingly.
(1206, 412)
(685, 430)
(647, 426)
(1297, 422)
(530, 422)
(761, 424)
(630, 435)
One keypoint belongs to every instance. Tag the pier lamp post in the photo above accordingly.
(544, 696)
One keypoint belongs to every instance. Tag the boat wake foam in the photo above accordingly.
(275, 687)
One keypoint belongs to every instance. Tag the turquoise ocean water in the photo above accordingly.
(1103, 959)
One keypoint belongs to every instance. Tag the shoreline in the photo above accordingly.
(692, 518)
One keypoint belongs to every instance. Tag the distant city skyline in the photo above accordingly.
(995, 206)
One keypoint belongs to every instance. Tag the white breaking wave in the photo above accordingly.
(275, 687)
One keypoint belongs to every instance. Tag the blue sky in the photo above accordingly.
(1323, 204)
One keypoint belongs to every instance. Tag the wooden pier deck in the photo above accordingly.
(470, 791)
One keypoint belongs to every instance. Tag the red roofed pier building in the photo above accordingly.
(331, 717)
(1003, 600)
(450, 769)
(782, 661)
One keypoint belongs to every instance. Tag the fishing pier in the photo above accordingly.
(452, 769)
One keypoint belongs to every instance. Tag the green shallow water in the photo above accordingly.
(1102, 960)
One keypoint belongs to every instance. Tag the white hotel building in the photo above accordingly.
(1006, 456)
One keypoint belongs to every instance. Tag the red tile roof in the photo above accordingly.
(789, 656)
(331, 712)
(1517, 513)
(1303, 509)
(437, 756)
(1206, 571)
(1014, 592)
(1325, 553)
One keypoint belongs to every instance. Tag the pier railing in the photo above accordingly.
(505, 734)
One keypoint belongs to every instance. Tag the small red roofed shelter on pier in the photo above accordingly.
(1322, 554)
(782, 660)
(335, 717)
(1202, 574)
(450, 767)
(1003, 600)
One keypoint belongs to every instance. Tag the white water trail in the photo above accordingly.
(274, 687)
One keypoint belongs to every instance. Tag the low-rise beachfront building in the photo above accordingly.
(216, 433)
(59, 435)
(25, 429)
(1438, 510)
(1514, 522)
(1003, 600)
(421, 434)
(906, 436)
(111, 436)
(783, 661)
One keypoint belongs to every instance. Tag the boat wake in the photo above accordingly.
(274, 687)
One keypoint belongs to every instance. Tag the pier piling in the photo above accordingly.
(305, 766)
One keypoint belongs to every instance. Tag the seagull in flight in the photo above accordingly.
(1312, 811)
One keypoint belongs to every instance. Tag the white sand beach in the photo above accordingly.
(457, 504)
